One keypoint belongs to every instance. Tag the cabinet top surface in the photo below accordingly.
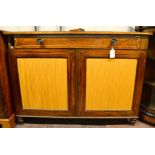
(72, 33)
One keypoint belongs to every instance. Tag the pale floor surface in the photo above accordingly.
(138, 124)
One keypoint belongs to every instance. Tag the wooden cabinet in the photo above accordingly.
(7, 117)
(147, 108)
(70, 74)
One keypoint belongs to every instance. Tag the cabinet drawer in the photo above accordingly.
(81, 42)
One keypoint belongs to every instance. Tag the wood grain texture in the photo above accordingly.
(86, 46)
(81, 33)
(147, 114)
(6, 101)
(43, 83)
(147, 108)
(68, 54)
(84, 54)
(2, 114)
(8, 123)
(147, 118)
(110, 83)
(144, 43)
(130, 42)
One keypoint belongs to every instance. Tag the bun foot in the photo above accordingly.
(132, 121)
(19, 120)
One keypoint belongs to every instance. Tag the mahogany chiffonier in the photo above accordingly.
(7, 117)
(77, 74)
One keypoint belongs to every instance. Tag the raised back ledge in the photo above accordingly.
(72, 33)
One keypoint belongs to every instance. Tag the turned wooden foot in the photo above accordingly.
(19, 120)
(132, 121)
(8, 123)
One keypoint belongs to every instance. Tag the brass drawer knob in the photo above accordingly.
(40, 41)
(114, 42)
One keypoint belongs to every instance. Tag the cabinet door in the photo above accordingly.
(110, 87)
(43, 81)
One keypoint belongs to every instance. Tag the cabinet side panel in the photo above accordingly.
(43, 83)
(6, 101)
(110, 83)
(1, 101)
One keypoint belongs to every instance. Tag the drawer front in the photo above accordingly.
(80, 42)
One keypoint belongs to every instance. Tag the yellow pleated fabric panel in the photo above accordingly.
(110, 83)
(43, 83)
